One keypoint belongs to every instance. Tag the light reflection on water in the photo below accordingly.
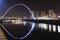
(18, 30)
(49, 27)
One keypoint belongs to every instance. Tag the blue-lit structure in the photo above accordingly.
(32, 26)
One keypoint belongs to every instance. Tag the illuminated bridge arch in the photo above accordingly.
(32, 27)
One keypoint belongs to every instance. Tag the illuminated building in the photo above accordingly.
(50, 16)
(44, 17)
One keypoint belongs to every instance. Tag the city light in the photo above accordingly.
(17, 22)
(58, 16)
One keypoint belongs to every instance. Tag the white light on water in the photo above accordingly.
(49, 27)
(54, 28)
(59, 29)
(43, 26)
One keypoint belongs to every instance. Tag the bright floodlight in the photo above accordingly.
(58, 16)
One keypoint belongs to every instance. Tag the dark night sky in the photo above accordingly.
(36, 5)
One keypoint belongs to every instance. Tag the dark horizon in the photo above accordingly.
(35, 5)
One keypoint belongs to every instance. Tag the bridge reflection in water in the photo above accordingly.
(18, 28)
